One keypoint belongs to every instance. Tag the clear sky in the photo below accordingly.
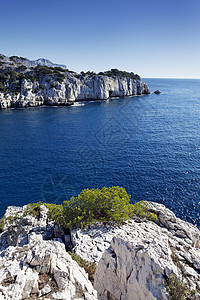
(154, 38)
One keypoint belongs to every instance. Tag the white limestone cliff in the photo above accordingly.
(71, 89)
(34, 267)
(32, 83)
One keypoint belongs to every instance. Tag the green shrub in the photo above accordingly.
(106, 205)
(55, 212)
(2, 223)
(116, 72)
(53, 85)
(95, 205)
(42, 71)
(177, 289)
(11, 74)
(90, 267)
(33, 209)
(141, 210)
(59, 69)
(3, 89)
(60, 77)
(11, 221)
(21, 68)
(30, 77)
(14, 57)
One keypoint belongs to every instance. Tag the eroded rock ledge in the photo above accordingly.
(134, 259)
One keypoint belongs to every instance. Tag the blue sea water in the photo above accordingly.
(148, 144)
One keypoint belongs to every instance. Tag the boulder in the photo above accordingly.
(34, 262)
(42, 268)
(157, 92)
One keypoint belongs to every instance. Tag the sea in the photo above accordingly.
(148, 144)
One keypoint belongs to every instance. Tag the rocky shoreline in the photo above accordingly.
(133, 260)
(71, 89)
(25, 83)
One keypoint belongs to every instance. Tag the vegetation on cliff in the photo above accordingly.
(11, 79)
(116, 72)
(178, 290)
(90, 267)
(108, 205)
(113, 73)
(14, 70)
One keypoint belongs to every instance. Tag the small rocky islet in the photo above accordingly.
(25, 83)
(133, 260)
(157, 92)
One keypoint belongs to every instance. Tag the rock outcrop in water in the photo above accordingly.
(157, 92)
(22, 86)
(134, 260)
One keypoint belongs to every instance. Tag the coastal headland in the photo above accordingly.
(25, 83)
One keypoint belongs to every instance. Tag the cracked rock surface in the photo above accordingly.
(34, 263)
(135, 259)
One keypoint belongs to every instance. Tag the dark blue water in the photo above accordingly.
(148, 144)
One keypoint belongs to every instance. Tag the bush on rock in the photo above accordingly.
(108, 205)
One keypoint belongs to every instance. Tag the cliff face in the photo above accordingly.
(134, 260)
(71, 89)
(22, 85)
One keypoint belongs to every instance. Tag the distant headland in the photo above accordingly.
(29, 83)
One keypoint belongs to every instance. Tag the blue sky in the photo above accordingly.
(154, 38)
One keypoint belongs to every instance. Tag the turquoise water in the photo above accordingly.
(148, 144)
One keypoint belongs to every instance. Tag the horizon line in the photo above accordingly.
(169, 78)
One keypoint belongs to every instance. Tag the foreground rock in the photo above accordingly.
(42, 268)
(139, 256)
(33, 266)
(134, 260)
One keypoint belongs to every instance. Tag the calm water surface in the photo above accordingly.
(148, 144)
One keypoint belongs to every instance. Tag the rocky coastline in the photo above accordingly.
(22, 85)
(70, 90)
(133, 260)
